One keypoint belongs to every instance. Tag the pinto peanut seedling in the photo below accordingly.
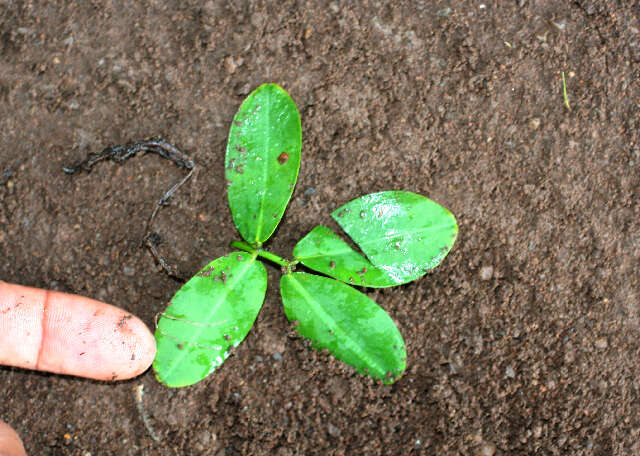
(402, 235)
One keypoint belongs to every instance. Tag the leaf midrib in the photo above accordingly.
(265, 168)
(372, 241)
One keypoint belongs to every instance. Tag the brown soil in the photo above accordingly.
(524, 341)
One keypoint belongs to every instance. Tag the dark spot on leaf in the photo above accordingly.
(227, 337)
(206, 272)
(283, 157)
(239, 169)
(240, 258)
(239, 149)
(332, 265)
(343, 212)
(180, 346)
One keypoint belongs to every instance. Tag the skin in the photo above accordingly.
(10, 444)
(71, 335)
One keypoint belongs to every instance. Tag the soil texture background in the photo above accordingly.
(526, 340)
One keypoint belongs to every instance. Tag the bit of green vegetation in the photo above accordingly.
(402, 234)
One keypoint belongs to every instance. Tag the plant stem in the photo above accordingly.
(261, 253)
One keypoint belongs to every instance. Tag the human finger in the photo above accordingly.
(10, 443)
(70, 334)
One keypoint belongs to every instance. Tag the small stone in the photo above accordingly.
(486, 273)
(534, 123)
(487, 449)
(537, 432)
(128, 271)
(277, 356)
(509, 372)
(601, 343)
(334, 430)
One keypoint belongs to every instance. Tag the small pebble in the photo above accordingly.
(601, 343)
(486, 273)
(537, 432)
(487, 449)
(334, 430)
(128, 271)
(277, 356)
(534, 123)
(509, 372)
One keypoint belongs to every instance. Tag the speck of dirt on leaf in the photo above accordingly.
(240, 258)
(332, 265)
(283, 157)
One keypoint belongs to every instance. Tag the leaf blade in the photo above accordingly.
(346, 322)
(262, 161)
(402, 233)
(324, 251)
(210, 313)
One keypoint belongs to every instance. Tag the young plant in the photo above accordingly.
(402, 234)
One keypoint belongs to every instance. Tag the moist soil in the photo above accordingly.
(525, 340)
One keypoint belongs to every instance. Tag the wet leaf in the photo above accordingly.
(324, 251)
(402, 233)
(211, 313)
(262, 161)
(351, 326)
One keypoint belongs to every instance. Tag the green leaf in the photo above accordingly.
(402, 233)
(324, 251)
(212, 312)
(346, 322)
(262, 161)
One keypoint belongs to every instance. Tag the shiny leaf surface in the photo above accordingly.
(262, 161)
(211, 313)
(324, 251)
(351, 326)
(402, 233)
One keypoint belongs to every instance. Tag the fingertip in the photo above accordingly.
(143, 350)
(10, 443)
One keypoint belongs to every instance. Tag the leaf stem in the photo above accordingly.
(262, 253)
